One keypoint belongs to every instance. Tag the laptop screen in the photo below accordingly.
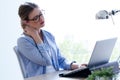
(102, 52)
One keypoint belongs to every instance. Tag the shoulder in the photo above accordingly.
(48, 34)
(23, 39)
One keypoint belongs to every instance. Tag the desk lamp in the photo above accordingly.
(103, 14)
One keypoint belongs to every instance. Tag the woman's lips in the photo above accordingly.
(42, 22)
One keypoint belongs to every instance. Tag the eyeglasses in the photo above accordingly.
(36, 18)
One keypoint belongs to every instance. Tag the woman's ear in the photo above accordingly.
(24, 23)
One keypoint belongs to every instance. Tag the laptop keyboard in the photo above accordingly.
(81, 72)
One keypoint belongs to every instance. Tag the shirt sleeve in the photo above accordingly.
(35, 53)
(62, 61)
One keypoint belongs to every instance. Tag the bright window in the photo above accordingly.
(75, 28)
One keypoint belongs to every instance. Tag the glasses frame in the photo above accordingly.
(36, 18)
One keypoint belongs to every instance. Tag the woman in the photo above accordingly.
(38, 47)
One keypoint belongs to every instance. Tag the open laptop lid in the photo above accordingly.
(102, 52)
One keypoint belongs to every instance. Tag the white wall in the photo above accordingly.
(9, 31)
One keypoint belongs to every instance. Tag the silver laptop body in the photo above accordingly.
(102, 52)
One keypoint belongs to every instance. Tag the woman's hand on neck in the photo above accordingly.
(34, 33)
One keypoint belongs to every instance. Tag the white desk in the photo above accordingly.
(55, 76)
(52, 76)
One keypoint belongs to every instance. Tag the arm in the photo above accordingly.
(65, 64)
(37, 55)
(59, 60)
(62, 61)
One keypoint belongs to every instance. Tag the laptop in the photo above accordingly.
(101, 54)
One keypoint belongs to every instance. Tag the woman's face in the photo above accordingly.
(36, 19)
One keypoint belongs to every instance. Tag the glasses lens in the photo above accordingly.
(36, 18)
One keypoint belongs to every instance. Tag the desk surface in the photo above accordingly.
(55, 76)
(52, 76)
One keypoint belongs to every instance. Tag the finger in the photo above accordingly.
(83, 64)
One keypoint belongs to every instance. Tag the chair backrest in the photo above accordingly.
(20, 61)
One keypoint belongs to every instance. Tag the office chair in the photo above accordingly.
(22, 67)
(118, 60)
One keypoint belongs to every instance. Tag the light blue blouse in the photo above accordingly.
(37, 56)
